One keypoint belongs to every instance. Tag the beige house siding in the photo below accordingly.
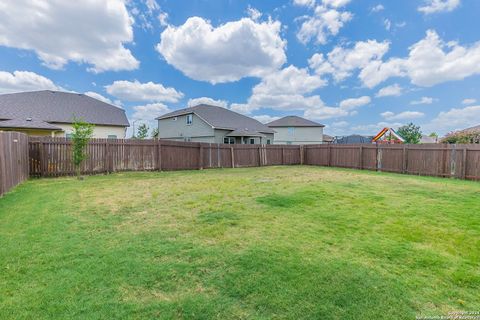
(298, 135)
(99, 131)
(198, 131)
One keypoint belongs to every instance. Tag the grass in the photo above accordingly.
(259, 243)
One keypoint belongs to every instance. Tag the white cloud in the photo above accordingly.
(373, 129)
(423, 100)
(24, 81)
(353, 103)
(378, 8)
(253, 13)
(406, 115)
(137, 91)
(307, 3)
(149, 111)
(435, 6)
(341, 62)
(98, 96)
(340, 124)
(163, 19)
(323, 112)
(454, 119)
(388, 24)
(394, 90)
(324, 22)
(284, 90)
(265, 118)
(469, 101)
(431, 61)
(61, 31)
(336, 3)
(226, 53)
(206, 100)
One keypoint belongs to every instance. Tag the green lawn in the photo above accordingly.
(260, 243)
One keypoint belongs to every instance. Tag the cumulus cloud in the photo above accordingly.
(98, 96)
(454, 119)
(307, 3)
(394, 90)
(149, 112)
(137, 91)
(435, 6)
(469, 101)
(253, 13)
(24, 81)
(326, 21)
(94, 32)
(378, 8)
(341, 62)
(353, 103)
(431, 61)
(225, 53)
(336, 3)
(406, 115)
(207, 100)
(284, 90)
(423, 100)
(264, 118)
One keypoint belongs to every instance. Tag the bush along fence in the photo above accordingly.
(13, 160)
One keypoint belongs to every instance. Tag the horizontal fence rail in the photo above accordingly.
(13, 160)
(49, 157)
(440, 160)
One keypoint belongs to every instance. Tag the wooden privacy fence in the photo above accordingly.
(441, 160)
(13, 160)
(53, 156)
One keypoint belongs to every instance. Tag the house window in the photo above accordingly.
(112, 136)
(291, 131)
(189, 119)
(268, 141)
(252, 141)
(174, 118)
(187, 139)
(229, 140)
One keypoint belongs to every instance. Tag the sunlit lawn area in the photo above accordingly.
(259, 243)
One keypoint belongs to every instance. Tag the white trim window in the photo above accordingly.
(229, 140)
(189, 119)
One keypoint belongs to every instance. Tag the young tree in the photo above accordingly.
(142, 131)
(81, 135)
(155, 133)
(411, 133)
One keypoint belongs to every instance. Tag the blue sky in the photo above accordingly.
(353, 65)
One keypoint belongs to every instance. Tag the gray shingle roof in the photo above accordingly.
(221, 118)
(472, 129)
(293, 121)
(60, 107)
(28, 124)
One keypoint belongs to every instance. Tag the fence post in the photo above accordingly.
(301, 155)
(379, 158)
(42, 158)
(329, 163)
(283, 156)
(453, 161)
(260, 156)
(106, 160)
(200, 156)
(405, 159)
(159, 155)
(233, 157)
(464, 163)
(360, 160)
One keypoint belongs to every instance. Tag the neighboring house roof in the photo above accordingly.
(28, 124)
(60, 107)
(221, 118)
(293, 121)
(353, 139)
(472, 129)
(427, 139)
(327, 138)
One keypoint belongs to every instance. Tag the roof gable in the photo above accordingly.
(60, 107)
(294, 121)
(221, 118)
